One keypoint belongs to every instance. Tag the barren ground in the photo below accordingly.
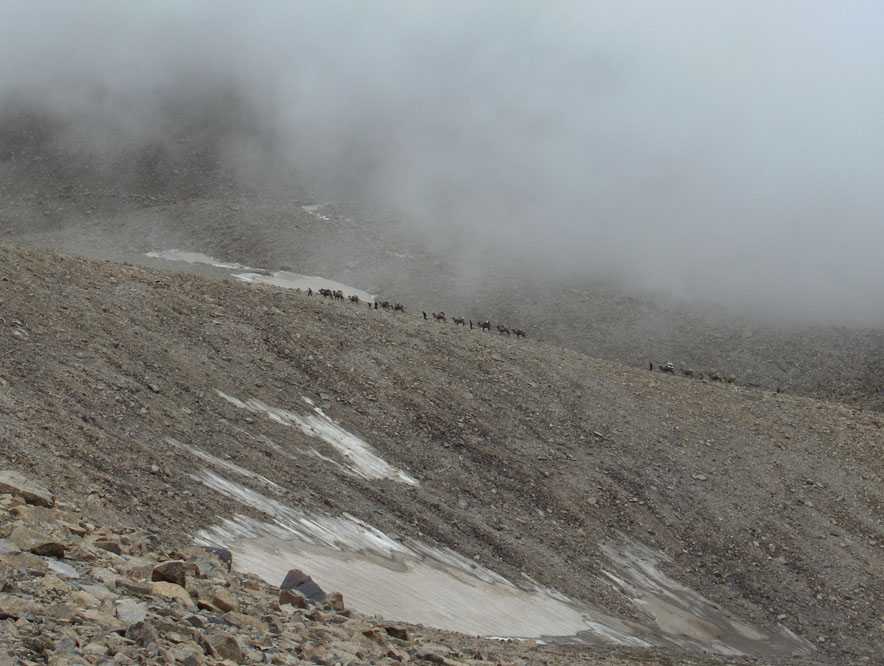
(531, 458)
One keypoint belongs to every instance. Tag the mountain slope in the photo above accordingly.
(124, 387)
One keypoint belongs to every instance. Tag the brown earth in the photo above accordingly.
(106, 598)
(530, 457)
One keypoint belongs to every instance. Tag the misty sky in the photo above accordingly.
(722, 151)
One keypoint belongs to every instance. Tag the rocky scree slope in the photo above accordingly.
(529, 457)
(73, 594)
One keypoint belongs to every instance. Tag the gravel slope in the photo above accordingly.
(530, 457)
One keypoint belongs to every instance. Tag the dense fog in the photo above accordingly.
(718, 152)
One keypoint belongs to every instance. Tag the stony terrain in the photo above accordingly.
(73, 593)
(530, 458)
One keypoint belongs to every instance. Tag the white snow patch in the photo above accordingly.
(197, 258)
(284, 279)
(288, 280)
(223, 464)
(360, 457)
(400, 580)
(684, 616)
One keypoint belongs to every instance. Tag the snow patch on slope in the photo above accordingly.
(400, 580)
(360, 457)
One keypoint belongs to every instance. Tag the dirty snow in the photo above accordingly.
(400, 580)
(284, 279)
(288, 280)
(360, 458)
(223, 464)
(197, 258)
(684, 616)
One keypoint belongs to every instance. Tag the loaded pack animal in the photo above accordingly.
(354, 298)
(519, 333)
(503, 330)
(460, 321)
(485, 326)
(398, 307)
(439, 316)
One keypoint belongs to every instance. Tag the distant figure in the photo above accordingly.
(471, 324)
(651, 366)
(425, 316)
(375, 305)
(309, 291)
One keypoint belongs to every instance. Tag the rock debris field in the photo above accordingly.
(203, 438)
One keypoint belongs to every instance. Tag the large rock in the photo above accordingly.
(335, 601)
(208, 562)
(32, 493)
(225, 646)
(172, 571)
(292, 598)
(172, 591)
(130, 611)
(13, 608)
(223, 600)
(396, 631)
(142, 633)
(297, 580)
(52, 543)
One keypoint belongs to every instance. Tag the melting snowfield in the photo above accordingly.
(284, 279)
(196, 258)
(404, 580)
(360, 458)
(289, 280)
(686, 617)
